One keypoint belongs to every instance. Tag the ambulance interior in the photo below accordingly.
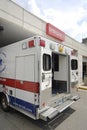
(59, 73)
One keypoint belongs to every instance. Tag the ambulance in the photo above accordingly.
(35, 77)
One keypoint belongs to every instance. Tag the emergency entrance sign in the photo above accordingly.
(54, 32)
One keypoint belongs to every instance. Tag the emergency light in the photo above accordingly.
(31, 44)
(42, 43)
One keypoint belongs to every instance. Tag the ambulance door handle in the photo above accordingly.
(10, 92)
(48, 82)
(43, 77)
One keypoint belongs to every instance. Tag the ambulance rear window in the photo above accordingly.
(74, 64)
(46, 62)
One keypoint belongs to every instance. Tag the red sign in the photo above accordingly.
(54, 32)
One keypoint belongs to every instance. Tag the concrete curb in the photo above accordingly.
(82, 87)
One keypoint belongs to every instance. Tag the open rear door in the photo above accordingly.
(74, 69)
(45, 77)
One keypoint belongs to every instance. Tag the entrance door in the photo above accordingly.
(84, 69)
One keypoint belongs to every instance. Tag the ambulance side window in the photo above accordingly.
(74, 64)
(46, 62)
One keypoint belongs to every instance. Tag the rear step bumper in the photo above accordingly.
(52, 112)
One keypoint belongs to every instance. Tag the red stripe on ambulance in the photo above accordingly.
(23, 85)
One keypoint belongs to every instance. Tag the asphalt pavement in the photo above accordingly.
(74, 118)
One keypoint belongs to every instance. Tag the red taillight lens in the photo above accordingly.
(42, 43)
(31, 43)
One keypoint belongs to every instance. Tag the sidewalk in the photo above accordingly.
(82, 87)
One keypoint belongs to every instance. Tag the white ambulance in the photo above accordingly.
(35, 77)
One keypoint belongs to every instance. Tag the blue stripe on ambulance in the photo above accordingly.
(23, 104)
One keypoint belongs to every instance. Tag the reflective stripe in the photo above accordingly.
(24, 85)
(23, 104)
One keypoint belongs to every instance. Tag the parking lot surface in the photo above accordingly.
(74, 118)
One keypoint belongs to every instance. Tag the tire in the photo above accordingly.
(4, 104)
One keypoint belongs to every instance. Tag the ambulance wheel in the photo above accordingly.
(4, 104)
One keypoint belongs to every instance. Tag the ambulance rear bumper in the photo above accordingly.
(51, 112)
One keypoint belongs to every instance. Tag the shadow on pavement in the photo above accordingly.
(52, 124)
(26, 122)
